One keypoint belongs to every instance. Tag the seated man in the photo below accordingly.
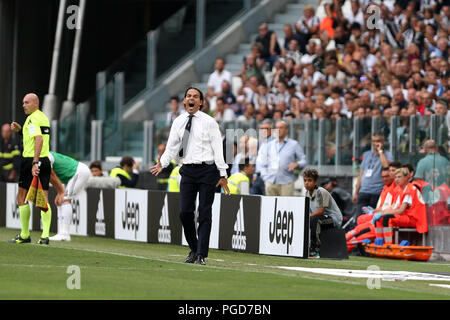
(127, 172)
(408, 210)
(365, 229)
(239, 183)
(324, 212)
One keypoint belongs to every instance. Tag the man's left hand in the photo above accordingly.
(224, 183)
(292, 166)
(156, 169)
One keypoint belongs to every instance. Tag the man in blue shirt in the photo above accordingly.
(277, 160)
(369, 184)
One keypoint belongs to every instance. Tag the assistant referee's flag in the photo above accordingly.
(36, 194)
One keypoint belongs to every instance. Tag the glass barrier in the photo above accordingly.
(126, 140)
(73, 136)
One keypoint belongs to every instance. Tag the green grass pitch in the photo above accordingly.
(116, 269)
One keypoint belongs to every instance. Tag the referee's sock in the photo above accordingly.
(46, 221)
(25, 213)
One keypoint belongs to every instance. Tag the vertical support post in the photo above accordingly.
(393, 137)
(433, 127)
(412, 134)
(96, 140)
(321, 148)
(148, 142)
(119, 95)
(101, 95)
(152, 41)
(200, 24)
(54, 135)
(338, 142)
(310, 141)
(356, 138)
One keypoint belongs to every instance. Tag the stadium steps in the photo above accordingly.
(234, 60)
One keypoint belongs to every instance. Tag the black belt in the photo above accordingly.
(204, 163)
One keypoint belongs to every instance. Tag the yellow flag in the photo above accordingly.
(36, 194)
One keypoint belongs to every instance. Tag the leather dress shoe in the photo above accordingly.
(191, 258)
(200, 260)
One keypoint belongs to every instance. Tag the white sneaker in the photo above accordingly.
(60, 237)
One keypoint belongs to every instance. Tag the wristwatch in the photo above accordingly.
(36, 162)
(380, 151)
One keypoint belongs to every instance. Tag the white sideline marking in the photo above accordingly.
(446, 286)
(384, 275)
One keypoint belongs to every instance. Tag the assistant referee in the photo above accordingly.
(195, 137)
(35, 162)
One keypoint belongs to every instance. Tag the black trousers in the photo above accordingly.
(317, 223)
(201, 179)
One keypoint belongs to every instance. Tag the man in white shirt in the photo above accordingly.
(368, 60)
(217, 77)
(195, 137)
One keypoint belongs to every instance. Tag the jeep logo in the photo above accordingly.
(130, 217)
(282, 227)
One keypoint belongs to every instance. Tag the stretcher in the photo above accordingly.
(417, 253)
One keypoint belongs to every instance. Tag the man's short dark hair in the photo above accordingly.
(175, 98)
(311, 173)
(244, 163)
(395, 164)
(127, 160)
(96, 164)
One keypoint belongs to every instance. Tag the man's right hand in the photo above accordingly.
(15, 127)
(156, 169)
(355, 198)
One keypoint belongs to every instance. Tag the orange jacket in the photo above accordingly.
(417, 209)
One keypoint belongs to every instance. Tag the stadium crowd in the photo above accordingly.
(387, 59)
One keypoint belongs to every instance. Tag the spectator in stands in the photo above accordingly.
(222, 111)
(216, 78)
(433, 168)
(307, 25)
(278, 159)
(369, 184)
(96, 169)
(175, 110)
(323, 210)
(242, 153)
(269, 42)
(251, 69)
(127, 172)
(408, 211)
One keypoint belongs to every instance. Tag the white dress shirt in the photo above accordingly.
(215, 79)
(204, 145)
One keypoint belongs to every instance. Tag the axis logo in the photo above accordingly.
(282, 227)
(164, 234)
(239, 240)
(130, 216)
(100, 225)
(75, 213)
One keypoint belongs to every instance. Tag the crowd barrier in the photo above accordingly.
(253, 224)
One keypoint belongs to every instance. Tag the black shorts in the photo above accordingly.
(26, 177)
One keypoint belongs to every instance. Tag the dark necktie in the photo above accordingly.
(187, 131)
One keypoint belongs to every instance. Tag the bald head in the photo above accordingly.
(430, 146)
(30, 103)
